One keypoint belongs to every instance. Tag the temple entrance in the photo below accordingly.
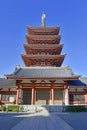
(27, 97)
(58, 97)
(42, 97)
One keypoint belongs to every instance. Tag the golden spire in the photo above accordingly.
(43, 20)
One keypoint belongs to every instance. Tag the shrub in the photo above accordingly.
(75, 108)
(13, 108)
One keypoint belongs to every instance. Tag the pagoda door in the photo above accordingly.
(42, 97)
(58, 97)
(27, 97)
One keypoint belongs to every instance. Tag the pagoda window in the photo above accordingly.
(77, 97)
(8, 97)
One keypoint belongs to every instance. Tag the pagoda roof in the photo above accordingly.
(43, 73)
(7, 83)
(43, 39)
(45, 46)
(30, 48)
(43, 56)
(30, 59)
(43, 31)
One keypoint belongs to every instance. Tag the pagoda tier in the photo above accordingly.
(43, 48)
(43, 31)
(43, 60)
(43, 39)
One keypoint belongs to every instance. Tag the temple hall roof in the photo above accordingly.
(7, 82)
(84, 79)
(75, 83)
(43, 72)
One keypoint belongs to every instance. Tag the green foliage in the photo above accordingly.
(13, 108)
(75, 108)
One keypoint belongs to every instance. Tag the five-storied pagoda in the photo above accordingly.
(43, 80)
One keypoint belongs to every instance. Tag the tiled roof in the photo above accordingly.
(42, 46)
(84, 79)
(7, 82)
(43, 31)
(75, 83)
(43, 72)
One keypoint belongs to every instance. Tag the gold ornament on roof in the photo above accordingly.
(43, 20)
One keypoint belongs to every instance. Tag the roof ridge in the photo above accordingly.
(46, 67)
(17, 69)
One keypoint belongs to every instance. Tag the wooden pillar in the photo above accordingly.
(85, 98)
(17, 96)
(20, 94)
(33, 96)
(33, 92)
(18, 91)
(52, 92)
(0, 97)
(66, 96)
(52, 95)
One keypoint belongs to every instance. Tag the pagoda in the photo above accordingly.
(43, 47)
(43, 80)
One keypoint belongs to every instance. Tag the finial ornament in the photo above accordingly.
(43, 20)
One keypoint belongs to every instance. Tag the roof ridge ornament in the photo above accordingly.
(43, 20)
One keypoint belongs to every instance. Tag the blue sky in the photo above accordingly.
(70, 15)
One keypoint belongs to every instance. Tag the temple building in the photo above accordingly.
(43, 80)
